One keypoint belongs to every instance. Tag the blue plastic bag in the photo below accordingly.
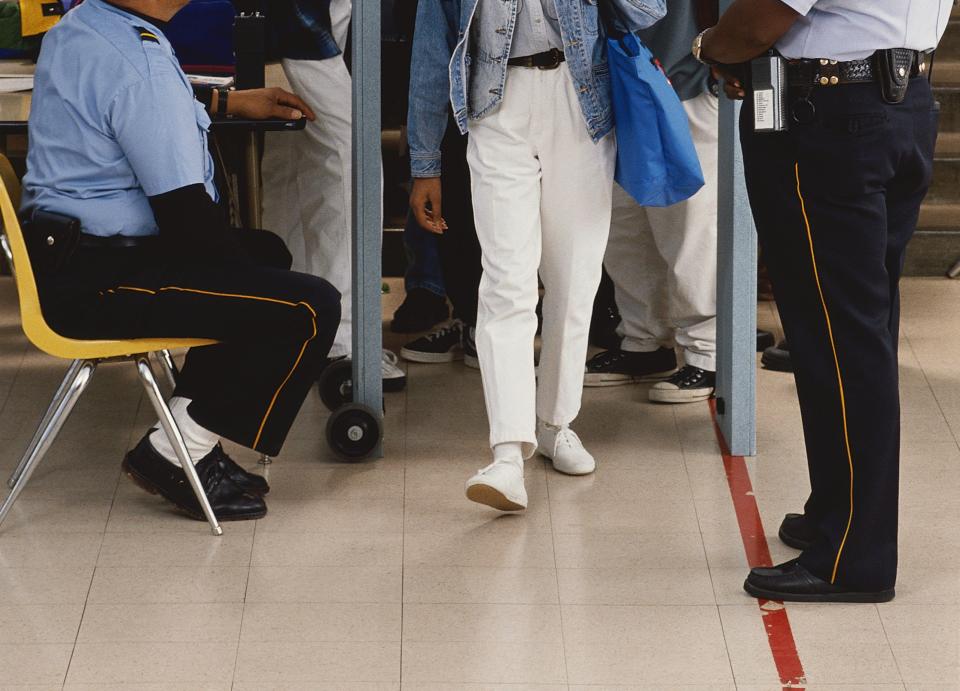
(656, 159)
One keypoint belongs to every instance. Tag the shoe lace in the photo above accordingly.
(607, 358)
(444, 331)
(568, 438)
(688, 376)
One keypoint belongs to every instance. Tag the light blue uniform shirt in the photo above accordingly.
(113, 122)
(855, 29)
(537, 29)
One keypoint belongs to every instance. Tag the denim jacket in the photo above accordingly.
(462, 47)
(300, 29)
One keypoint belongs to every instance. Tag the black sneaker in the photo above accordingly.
(616, 367)
(470, 358)
(688, 385)
(152, 472)
(765, 339)
(442, 345)
(421, 310)
(777, 358)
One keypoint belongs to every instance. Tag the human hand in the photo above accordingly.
(731, 83)
(425, 198)
(262, 104)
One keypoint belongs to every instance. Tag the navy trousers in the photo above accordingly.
(836, 200)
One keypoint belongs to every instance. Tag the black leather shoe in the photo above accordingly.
(248, 482)
(797, 532)
(791, 582)
(777, 358)
(153, 473)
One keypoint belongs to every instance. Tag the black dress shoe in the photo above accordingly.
(797, 532)
(248, 482)
(765, 339)
(777, 358)
(153, 473)
(791, 582)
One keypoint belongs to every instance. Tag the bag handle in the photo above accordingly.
(610, 15)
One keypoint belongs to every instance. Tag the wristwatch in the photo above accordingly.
(698, 49)
(222, 96)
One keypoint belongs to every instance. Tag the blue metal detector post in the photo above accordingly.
(736, 291)
(367, 208)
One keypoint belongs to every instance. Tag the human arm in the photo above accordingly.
(749, 28)
(256, 104)
(429, 105)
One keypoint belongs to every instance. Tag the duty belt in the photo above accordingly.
(115, 241)
(810, 73)
(549, 60)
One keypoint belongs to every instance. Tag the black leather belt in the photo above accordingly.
(549, 60)
(115, 241)
(807, 73)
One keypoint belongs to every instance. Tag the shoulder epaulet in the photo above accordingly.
(146, 35)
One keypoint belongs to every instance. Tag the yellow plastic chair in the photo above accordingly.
(86, 356)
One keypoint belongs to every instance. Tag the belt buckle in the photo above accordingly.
(553, 64)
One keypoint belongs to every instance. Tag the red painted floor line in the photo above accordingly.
(775, 619)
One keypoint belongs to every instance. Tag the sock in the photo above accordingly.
(199, 441)
(508, 451)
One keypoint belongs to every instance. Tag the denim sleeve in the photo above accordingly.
(640, 14)
(433, 43)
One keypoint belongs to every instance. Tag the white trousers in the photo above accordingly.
(307, 175)
(663, 262)
(542, 198)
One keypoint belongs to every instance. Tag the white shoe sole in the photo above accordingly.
(596, 380)
(471, 361)
(680, 395)
(492, 497)
(431, 358)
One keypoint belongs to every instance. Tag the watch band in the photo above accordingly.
(223, 95)
(698, 48)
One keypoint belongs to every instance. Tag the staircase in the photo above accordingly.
(936, 245)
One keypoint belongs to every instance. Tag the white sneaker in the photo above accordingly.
(562, 446)
(394, 378)
(499, 485)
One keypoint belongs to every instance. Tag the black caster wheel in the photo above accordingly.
(336, 384)
(354, 431)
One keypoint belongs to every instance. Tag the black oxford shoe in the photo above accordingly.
(154, 474)
(247, 481)
(797, 532)
(791, 582)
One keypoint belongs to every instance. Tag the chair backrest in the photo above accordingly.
(34, 325)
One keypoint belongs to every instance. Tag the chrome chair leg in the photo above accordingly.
(57, 398)
(169, 367)
(7, 253)
(46, 434)
(265, 460)
(176, 440)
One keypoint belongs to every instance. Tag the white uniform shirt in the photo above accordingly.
(855, 29)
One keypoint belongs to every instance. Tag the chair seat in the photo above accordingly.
(75, 349)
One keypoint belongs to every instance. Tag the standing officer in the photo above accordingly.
(118, 142)
(836, 199)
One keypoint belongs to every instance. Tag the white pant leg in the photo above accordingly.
(505, 178)
(684, 238)
(577, 183)
(340, 12)
(308, 183)
(639, 276)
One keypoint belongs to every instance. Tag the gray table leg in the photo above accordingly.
(254, 186)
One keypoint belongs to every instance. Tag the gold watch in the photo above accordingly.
(698, 48)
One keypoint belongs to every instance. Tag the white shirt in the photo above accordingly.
(537, 29)
(855, 29)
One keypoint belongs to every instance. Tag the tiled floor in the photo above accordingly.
(380, 575)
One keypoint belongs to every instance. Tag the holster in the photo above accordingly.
(894, 67)
(51, 241)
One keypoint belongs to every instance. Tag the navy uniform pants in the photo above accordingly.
(274, 326)
(835, 202)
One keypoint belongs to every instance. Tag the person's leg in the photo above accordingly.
(505, 174)
(575, 208)
(686, 238)
(425, 303)
(313, 190)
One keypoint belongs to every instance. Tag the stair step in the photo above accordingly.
(946, 72)
(946, 180)
(932, 252)
(934, 216)
(948, 145)
(949, 98)
(949, 48)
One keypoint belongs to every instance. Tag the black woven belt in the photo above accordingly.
(549, 60)
(115, 241)
(833, 73)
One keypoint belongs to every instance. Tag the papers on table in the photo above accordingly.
(209, 80)
(10, 84)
